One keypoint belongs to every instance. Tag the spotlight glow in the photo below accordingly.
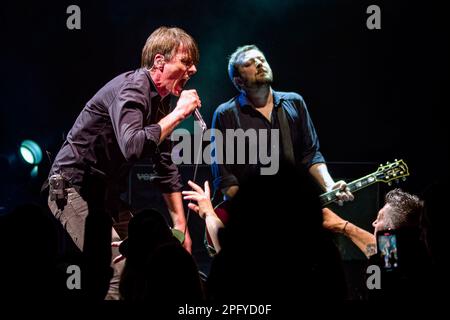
(31, 152)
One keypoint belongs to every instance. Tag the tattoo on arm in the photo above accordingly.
(371, 249)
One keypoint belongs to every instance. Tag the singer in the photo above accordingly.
(126, 120)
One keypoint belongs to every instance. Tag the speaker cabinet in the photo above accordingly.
(143, 193)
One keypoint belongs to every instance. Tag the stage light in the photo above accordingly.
(30, 152)
(34, 172)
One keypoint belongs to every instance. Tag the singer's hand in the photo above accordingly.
(187, 103)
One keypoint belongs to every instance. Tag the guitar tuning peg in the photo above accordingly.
(395, 160)
(389, 183)
(387, 162)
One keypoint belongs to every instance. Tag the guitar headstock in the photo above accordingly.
(395, 171)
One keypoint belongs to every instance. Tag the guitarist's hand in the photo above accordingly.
(343, 193)
(202, 197)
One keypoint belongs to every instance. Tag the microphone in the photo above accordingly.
(198, 117)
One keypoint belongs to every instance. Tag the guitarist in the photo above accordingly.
(259, 107)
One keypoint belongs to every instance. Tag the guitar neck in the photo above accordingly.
(330, 196)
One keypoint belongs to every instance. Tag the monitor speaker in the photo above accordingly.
(143, 192)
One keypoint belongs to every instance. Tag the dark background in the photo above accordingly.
(374, 95)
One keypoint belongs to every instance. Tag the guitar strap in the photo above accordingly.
(286, 139)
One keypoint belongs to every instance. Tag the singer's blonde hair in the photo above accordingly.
(166, 41)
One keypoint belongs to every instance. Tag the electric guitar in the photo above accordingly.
(388, 173)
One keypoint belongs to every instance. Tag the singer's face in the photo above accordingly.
(254, 70)
(177, 72)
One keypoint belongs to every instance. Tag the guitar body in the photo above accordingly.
(387, 173)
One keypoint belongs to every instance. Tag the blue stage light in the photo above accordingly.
(30, 152)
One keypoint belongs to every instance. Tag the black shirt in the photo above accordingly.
(238, 113)
(117, 127)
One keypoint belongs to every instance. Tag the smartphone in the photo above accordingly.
(387, 243)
